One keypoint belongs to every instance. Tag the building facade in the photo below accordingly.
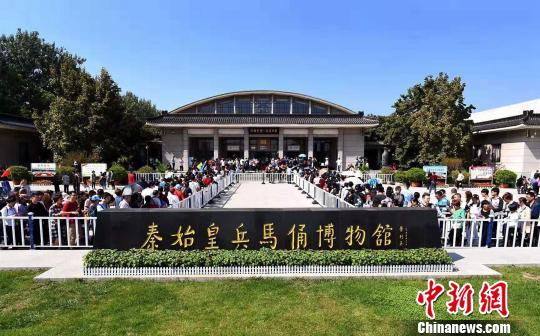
(262, 124)
(21, 140)
(509, 137)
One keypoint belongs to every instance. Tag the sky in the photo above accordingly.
(359, 54)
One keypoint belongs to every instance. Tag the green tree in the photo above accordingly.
(429, 123)
(29, 70)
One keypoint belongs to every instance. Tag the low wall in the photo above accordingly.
(208, 229)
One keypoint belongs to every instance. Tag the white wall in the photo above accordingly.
(171, 145)
(353, 145)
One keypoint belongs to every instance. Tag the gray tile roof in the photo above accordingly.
(254, 119)
(525, 119)
(16, 121)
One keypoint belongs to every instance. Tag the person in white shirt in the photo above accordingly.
(126, 198)
(11, 210)
(173, 200)
(338, 165)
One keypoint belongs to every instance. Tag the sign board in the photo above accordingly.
(481, 172)
(263, 130)
(284, 229)
(293, 148)
(43, 169)
(438, 170)
(87, 169)
(233, 148)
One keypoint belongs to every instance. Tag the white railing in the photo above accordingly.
(262, 270)
(200, 198)
(321, 196)
(156, 176)
(498, 232)
(384, 178)
(47, 232)
(263, 177)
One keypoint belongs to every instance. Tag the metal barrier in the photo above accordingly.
(47, 232)
(493, 232)
(384, 178)
(263, 177)
(149, 177)
(324, 198)
(200, 198)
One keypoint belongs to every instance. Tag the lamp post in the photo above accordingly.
(147, 158)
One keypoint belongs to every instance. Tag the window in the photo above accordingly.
(263, 105)
(243, 105)
(225, 107)
(318, 109)
(282, 105)
(300, 106)
(490, 153)
(208, 108)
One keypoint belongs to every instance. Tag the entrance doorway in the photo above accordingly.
(294, 147)
(263, 149)
(325, 148)
(231, 148)
(201, 148)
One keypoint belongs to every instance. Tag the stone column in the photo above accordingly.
(185, 149)
(310, 143)
(216, 144)
(340, 145)
(246, 143)
(280, 143)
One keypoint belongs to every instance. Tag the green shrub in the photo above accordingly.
(119, 173)
(401, 176)
(20, 173)
(161, 168)
(505, 176)
(145, 169)
(264, 257)
(387, 170)
(454, 174)
(452, 163)
(61, 170)
(416, 175)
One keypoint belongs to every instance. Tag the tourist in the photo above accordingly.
(93, 179)
(71, 209)
(459, 180)
(38, 209)
(13, 232)
(55, 224)
(458, 217)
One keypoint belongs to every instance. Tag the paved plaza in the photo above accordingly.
(269, 195)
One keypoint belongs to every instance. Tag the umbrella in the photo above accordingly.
(6, 173)
(131, 189)
(302, 156)
(355, 180)
(322, 171)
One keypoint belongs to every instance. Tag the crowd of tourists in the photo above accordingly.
(469, 213)
(19, 201)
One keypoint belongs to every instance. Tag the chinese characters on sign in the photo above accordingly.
(297, 237)
(295, 229)
(491, 298)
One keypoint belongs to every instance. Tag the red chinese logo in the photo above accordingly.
(491, 298)
(494, 298)
(429, 296)
(460, 298)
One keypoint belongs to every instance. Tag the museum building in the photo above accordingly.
(262, 124)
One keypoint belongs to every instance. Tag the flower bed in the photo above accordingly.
(137, 258)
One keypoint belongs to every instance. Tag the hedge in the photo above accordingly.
(20, 173)
(145, 169)
(264, 257)
(119, 173)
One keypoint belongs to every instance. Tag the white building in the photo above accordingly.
(262, 124)
(509, 136)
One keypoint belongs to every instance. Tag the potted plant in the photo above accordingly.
(505, 178)
(19, 173)
(119, 174)
(416, 176)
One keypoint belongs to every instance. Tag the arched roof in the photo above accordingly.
(188, 107)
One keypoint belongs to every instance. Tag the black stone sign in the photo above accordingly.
(287, 229)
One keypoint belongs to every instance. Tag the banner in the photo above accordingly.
(284, 229)
(98, 168)
(481, 172)
(438, 170)
(42, 169)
